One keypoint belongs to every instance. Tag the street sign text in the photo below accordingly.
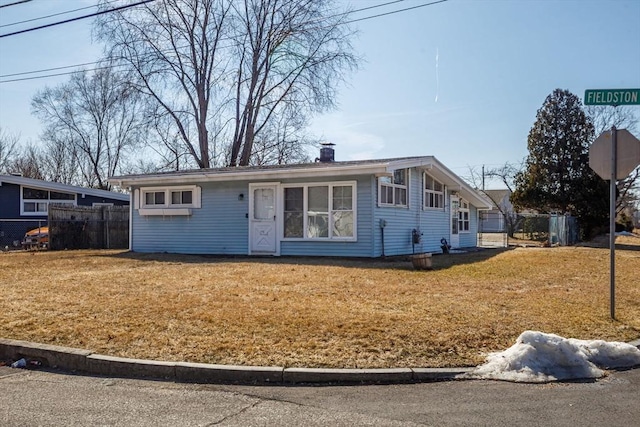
(612, 97)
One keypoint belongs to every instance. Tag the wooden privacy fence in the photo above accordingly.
(84, 227)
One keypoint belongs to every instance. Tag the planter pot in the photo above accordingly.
(421, 261)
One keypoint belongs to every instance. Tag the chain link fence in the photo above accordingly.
(12, 231)
(492, 230)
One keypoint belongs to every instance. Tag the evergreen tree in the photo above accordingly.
(557, 176)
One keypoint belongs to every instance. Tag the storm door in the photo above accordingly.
(262, 219)
(455, 227)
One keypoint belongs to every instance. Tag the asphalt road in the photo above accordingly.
(39, 398)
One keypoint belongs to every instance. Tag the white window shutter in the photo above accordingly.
(197, 197)
(136, 199)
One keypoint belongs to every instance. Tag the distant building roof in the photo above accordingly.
(56, 186)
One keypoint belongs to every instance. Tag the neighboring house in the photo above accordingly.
(497, 218)
(368, 208)
(24, 203)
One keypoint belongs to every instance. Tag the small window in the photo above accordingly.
(54, 195)
(177, 197)
(463, 216)
(393, 190)
(433, 193)
(154, 198)
(36, 201)
(33, 193)
(36, 207)
(293, 211)
(318, 212)
(182, 197)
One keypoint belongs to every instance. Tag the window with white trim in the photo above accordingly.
(169, 197)
(393, 190)
(433, 193)
(463, 216)
(324, 211)
(35, 201)
(167, 201)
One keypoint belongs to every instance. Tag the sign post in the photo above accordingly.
(612, 222)
(621, 163)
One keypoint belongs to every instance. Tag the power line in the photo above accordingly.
(394, 11)
(75, 19)
(52, 15)
(119, 65)
(14, 3)
(23, 73)
(97, 62)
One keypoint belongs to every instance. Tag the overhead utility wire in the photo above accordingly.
(75, 19)
(14, 3)
(52, 15)
(394, 11)
(23, 73)
(119, 65)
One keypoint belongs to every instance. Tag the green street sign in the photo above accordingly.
(612, 97)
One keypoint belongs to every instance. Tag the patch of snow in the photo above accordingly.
(538, 357)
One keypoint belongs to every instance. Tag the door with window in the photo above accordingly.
(262, 219)
(454, 240)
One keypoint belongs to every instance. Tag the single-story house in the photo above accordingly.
(24, 203)
(366, 208)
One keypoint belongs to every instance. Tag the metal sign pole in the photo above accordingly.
(612, 220)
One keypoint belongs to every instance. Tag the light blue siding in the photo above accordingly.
(433, 224)
(221, 225)
(470, 239)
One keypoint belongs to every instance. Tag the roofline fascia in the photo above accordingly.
(190, 178)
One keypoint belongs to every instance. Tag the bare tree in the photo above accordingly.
(505, 174)
(604, 117)
(95, 120)
(172, 48)
(289, 52)
(222, 70)
(283, 140)
(8, 149)
(59, 160)
(28, 163)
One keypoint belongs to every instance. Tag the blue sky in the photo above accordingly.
(460, 80)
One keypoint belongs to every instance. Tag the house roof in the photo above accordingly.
(63, 188)
(497, 194)
(379, 167)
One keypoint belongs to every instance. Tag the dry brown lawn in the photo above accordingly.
(316, 312)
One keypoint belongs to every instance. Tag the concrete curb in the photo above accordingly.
(85, 361)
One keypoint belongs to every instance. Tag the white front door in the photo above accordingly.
(262, 219)
(454, 240)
